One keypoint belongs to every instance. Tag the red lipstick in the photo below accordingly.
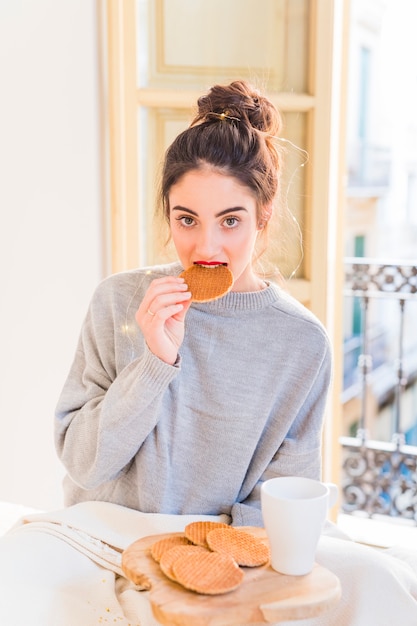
(208, 263)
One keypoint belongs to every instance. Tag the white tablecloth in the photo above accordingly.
(62, 568)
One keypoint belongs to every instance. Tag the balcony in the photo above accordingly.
(379, 455)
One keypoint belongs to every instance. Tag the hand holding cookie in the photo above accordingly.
(161, 316)
(162, 312)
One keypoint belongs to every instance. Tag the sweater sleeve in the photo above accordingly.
(103, 414)
(299, 454)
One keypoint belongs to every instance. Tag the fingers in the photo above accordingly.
(164, 298)
(165, 312)
(161, 315)
(180, 316)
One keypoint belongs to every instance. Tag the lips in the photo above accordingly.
(209, 263)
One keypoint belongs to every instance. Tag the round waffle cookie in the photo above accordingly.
(159, 547)
(206, 572)
(207, 283)
(245, 549)
(197, 532)
(170, 556)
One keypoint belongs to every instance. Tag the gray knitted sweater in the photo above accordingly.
(243, 403)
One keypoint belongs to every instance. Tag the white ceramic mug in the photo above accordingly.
(294, 510)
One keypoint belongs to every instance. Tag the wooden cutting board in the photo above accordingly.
(264, 597)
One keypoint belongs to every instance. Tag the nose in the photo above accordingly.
(207, 244)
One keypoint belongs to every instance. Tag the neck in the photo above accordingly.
(250, 283)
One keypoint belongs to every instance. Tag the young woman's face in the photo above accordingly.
(213, 218)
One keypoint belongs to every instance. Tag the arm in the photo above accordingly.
(101, 423)
(110, 401)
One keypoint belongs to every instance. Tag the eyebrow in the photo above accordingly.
(219, 214)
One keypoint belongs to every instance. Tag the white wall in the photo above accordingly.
(51, 250)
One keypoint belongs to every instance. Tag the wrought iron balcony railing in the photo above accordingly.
(380, 477)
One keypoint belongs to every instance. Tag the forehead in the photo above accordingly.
(208, 186)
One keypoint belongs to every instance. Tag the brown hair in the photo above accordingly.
(232, 132)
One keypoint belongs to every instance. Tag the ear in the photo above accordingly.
(265, 216)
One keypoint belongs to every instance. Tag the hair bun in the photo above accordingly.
(239, 101)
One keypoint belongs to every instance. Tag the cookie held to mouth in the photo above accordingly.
(207, 282)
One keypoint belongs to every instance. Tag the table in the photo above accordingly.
(264, 597)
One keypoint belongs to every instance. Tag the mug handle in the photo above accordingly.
(333, 493)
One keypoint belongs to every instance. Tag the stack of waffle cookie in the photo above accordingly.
(209, 556)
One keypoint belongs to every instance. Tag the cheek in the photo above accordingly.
(175, 232)
(245, 239)
(181, 241)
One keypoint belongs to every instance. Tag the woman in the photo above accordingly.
(175, 410)
(231, 388)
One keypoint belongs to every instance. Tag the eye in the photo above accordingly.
(185, 220)
(231, 221)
